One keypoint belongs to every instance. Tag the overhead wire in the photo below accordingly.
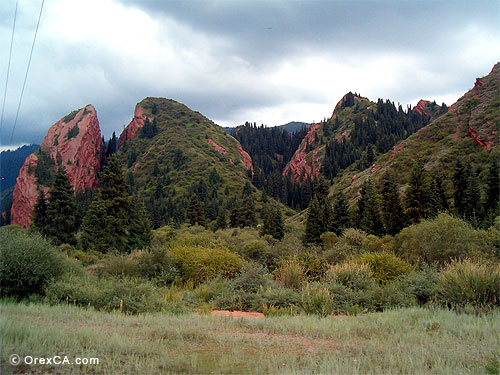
(8, 65)
(27, 70)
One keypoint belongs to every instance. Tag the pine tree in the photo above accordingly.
(243, 212)
(417, 195)
(368, 214)
(492, 201)
(341, 216)
(472, 198)
(392, 210)
(62, 222)
(273, 223)
(40, 217)
(438, 202)
(195, 212)
(221, 222)
(320, 216)
(140, 225)
(112, 229)
(460, 185)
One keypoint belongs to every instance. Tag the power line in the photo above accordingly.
(27, 70)
(8, 65)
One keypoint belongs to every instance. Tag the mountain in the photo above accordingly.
(10, 163)
(467, 132)
(171, 152)
(294, 126)
(357, 131)
(73, 142)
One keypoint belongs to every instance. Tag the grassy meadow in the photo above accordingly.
(401, 341)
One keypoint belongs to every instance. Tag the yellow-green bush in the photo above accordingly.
(290, 273)
(357, 276)
(444, 238)
(198, 263)
(27, 263)
(385, 266)
(468, 282)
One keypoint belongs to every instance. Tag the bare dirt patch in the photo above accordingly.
(237, 314)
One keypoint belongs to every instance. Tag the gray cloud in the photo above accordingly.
(264, 61)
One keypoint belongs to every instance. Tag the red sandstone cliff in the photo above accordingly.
(298, 166)
(75, 140)
(130, 131)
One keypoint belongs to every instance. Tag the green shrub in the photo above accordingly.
(467, 282)
(271, 310)
(27, 263)
(156, 264)
(385, 266)
(390, 295)
(421, 284)
(316, 299)
(313, 265)
(257, 250)
(252, 277)
(353, 237)
(329, 239)
(278, 297)
(356, 276)
(120, 265)
(162, 236)
(124, 294)
(290, 273)
(199, 263)
(341, 252)
(444, 238)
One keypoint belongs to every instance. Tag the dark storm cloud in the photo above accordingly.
(233, 61)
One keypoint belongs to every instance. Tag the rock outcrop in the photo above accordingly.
(75, 143)
(298, 167)
(421, 107)
(131, 129)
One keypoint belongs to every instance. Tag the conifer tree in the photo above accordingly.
(221, 222)
(492, 201)
(417, 195)
(438, 201)
(243, 212)
(140, 225)
(273, 224)
(392, 210)
(341, 216)
(368, 214)
(320, 216)
(472, 198)
(112, 229)
(61, 222)
(195, 212)
(40, 217)
(460, 178)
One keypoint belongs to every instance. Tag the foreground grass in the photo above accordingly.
(406, 341)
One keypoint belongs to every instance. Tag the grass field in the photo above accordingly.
(405, 341)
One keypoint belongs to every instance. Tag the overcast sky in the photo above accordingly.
(234, 61)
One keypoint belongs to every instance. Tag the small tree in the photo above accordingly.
(341, 217)
(392, 211)
(195, 212)
(417, 195)
(61, 222)
(368, 214)
(273, 223)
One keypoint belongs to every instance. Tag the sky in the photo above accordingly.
(268, 62)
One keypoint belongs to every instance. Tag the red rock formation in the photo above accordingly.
(298, 166)
(219, 149)
(373, 168)
(472, 132)
(247, 160)
(421, 106)
(78, 154)
(137, 122)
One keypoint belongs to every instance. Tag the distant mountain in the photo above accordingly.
(10, 163)
(294, 126)
(290, 127)
(357, 131)
(467, 132)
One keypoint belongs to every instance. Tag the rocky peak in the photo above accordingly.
(421, 107)
(74, 142)
(131, 130)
